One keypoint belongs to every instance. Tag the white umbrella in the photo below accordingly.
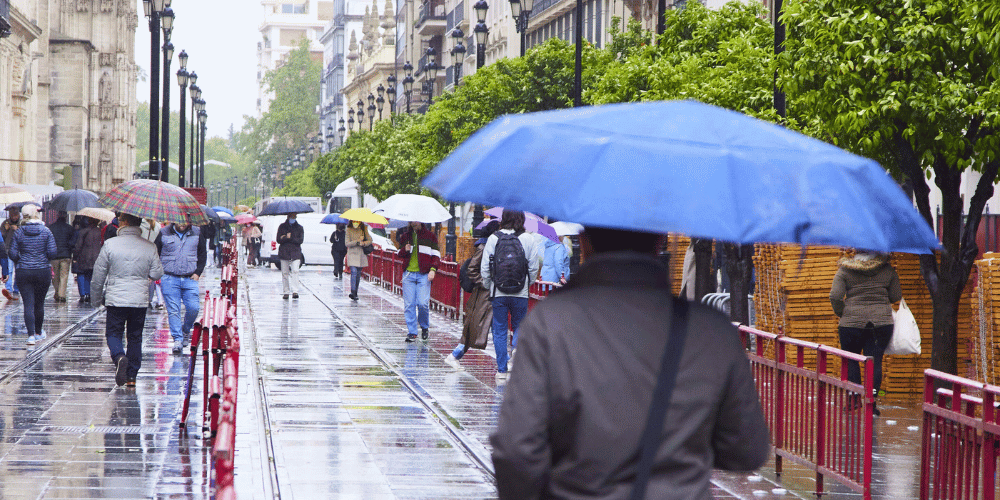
(412, 207)
(97, 213)
(566, 228)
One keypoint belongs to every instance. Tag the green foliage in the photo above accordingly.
(300, 183)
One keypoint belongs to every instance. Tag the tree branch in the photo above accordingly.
(909, 164)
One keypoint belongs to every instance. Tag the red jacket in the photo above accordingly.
(429, 256)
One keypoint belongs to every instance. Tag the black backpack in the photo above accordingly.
(463, 277)
(508, 264)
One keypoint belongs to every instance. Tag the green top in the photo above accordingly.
(414, 266)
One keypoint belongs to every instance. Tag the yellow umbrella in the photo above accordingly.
(364, 215)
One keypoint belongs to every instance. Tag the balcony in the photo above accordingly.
(541, 6)
(431, 19)
(456, 17)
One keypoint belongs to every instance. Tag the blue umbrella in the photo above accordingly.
(224, 217)
(687, 167)
(334, 219)
(74, 200)
(285, 207)
(222, 210)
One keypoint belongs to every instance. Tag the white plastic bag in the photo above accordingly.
(905, 333)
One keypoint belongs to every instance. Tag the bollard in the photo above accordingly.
(199, 330)
(216, 390)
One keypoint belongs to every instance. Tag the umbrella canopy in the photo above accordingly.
(687, 167)
(101, 214)
(532, 224)
(412, 207)
(210, 213)
(74, 200)
(13, 194)
(222, 210)
(160, 201)
(566, 228)
(334, 219)
(228, 219)
(285, 207)
(364, 214)
(245, 218)
(20, 204)
(497, 212)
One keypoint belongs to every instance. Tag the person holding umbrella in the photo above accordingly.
(356, 239)
(85, 251)
(64, 234)
(338, 249)
(290, 237)
(31, 249)
(421, 258)
(123, 272)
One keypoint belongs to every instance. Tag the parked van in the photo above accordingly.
(315, 241)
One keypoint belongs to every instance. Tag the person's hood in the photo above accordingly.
(32, 227)
(865, 263)
(549, 243)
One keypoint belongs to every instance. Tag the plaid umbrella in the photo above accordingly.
(157, 200)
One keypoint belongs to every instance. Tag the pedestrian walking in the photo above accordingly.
(421, 258)
(863, 290)
(253, 236)
(478, 310)
(125, 267)
(290, 236)
(149, 230)
(32, 248)
(63, 233)
(572, 420)
(85, 251)
(338, 249)
(182, 252)
(7, 229)
(357, 238)
(555, 263)
(224, 235)
(509, 266)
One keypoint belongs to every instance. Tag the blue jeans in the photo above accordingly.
(416, 299)
(11, 283)
(355, 279)
(517, 307)
(177, 290)
(83, 282)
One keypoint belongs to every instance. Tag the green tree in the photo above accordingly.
(912, 84)
(300, 183)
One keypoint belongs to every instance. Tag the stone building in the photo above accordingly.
(67, 92)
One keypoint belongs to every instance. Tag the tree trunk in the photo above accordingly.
(739, 267)
(702, 267)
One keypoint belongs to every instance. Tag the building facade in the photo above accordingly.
(285, 24)
(67, 92)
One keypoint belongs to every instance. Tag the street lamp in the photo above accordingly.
(521, 10)
(432, 71)
(350, 119)
(202, 118)
(457, 53)
(153, 9)
(167, 23)
(192, 79)
(361, 114)
(182, 82)
(329, 135)
(408, 84)
(371, 110)
(391, 94)
(340, 132)
(481, 31)
(380, 100)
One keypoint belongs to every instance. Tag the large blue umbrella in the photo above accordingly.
(221, 209)
(334, 219)
(285, 207)
(687, 167)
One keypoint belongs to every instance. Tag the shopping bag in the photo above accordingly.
(905, 332)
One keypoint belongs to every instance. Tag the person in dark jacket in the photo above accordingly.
(574, 411)
(63, 233)
(862, 291)
(32, 248)
(290, 237)
(338, 249)
(182, 252)
(7, 229)
(85, 251)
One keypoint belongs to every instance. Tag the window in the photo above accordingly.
(293, 8)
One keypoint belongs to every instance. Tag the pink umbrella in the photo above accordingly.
(497, 212)
(532, 225)
(245, 218)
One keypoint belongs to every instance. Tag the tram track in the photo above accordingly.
(40, 349)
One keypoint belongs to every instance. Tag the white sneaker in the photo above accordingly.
(510, 362)
(31, 340)
(453, 362)
(42, 336)
(501, 378)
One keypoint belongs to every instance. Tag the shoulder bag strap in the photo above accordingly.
(669, 367)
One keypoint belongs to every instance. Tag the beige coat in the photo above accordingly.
(357, 238)
(479, 309)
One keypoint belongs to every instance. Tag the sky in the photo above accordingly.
(220, 37)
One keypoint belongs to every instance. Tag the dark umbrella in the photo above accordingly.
(19, 205)
(210, 213)
(74, 200)
(286, 207)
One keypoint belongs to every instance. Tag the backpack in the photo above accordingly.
(463, 277)
(508, 264)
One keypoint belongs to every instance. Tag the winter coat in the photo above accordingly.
(7, 229)
(290, 248)
(182, 254)
(88, 246)
(357, 238)
(63, 233)
(555, 263)
(531, 252)
(33, 246)
(575, 407)
(338, 244)
(429, 257)
(123, 270)
(479, 308)
(863, 289)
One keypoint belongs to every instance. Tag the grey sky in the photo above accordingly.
(220, 37)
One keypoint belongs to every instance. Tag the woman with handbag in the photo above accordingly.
(862, 293)
(357, 238)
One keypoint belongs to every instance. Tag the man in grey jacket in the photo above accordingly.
(573, 414)
(121, 280)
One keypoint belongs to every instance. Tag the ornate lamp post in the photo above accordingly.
(340, 132)
(481, 31)
(329, 135)
(371, 110)
(350, 119)
(380, 100)
(408, 84)
(167, 23)
(390, 93)
(361, 114)
(182, 82)
(521, 10)
(202, 118)
(195, 95)
(153, 9)
(432, 71)
(457, 53)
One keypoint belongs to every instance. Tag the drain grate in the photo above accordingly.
(81, 429)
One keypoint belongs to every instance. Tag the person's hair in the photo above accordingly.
(29, 212)
(129, 220)
(618, 240)
(62, 216)
(489, 229)
(512, 219)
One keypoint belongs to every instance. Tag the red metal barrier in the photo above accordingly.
(817, 419)
(961, 437)
(446, 291)
(538, 291)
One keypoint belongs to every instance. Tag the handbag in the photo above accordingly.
(905, 332)
(368, 249)
(669, 365)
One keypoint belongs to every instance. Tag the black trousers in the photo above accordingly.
(870, 341)
(338, 264)
(128, 321)
(34, 285)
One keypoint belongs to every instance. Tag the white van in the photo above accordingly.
(315, 241)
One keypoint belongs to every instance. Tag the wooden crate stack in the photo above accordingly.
(985, 321)
(677, 245)
(904, 374)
